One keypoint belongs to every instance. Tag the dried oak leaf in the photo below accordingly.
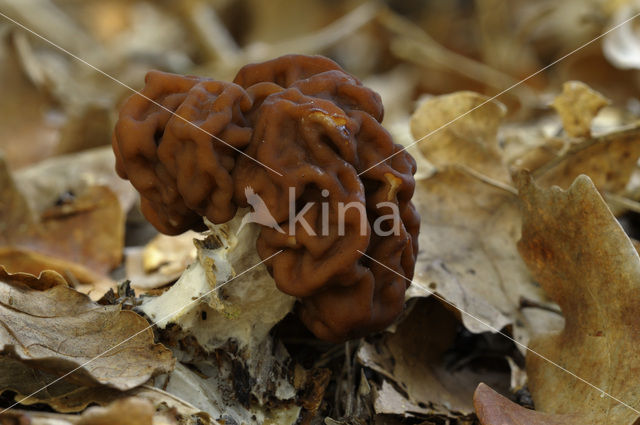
(28, 261)
(581, 256)
(55, 329)
(469, 138)
(577, 106)
(608, 158)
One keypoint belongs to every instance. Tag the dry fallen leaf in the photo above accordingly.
(470, 216)
(125, 411)
(470, 223)
(82, 232)
(83, 279)
(138, 412)
(161, 261)
(581, 256)
(55, 329)
(578, 105)
(608, 159)
(63, 396)
(469, 139)
(88, 229)
(494, 409)
(43, 183)
(208, 386)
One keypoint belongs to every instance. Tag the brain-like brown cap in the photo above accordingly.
(295, 126)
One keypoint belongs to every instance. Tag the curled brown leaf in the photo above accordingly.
(55, 329)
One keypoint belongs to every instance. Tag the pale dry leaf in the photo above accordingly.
(469, 138)
(81, 235)
(161, 261)
(138, 412)
(581, 256)
(468, 251)
(536, 155)
(56, 329)
(577, 106)
(131, 410)
(494, 409)
(388, 400)
(187, 412)
(469, 226)
(87, 229)
(17, 259)
(65, 397)
(43, 183)
(608, 159)
(170, 254)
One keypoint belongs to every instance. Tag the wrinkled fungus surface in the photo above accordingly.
(294, 126)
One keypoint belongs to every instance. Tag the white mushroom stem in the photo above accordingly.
(235, 304)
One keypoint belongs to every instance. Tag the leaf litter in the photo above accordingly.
(239, 356)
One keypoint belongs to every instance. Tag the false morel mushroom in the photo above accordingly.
(306, 138)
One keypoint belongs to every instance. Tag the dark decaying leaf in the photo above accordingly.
(419, 377)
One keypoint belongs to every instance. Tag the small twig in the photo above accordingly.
(417, 46)
(486, 179)
(349, 403)
(48, 19)
(214, 35)
(309, 44)
(330, 34)
(621, 201)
